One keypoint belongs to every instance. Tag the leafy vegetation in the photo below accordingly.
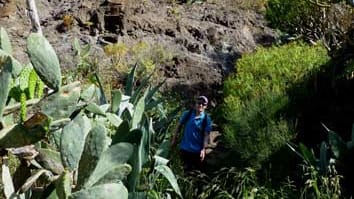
(256, 97)
(148, 57)
(77, 144)
(326, 20)
(78, 140)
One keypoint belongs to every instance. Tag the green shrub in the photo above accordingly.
(312, 20)
(256, 99)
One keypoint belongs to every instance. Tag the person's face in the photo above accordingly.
(200, 105)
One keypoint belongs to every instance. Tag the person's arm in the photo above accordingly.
(205, 144)
(180, 124)
(175, 135)
(206, 138)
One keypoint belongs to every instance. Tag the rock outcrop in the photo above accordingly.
(206, 39)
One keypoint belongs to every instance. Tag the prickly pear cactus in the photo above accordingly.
(5, 43)
(30, 132)
(16, 66)
(113, 190)
(5, 79)
(73, 140)
(44, 60)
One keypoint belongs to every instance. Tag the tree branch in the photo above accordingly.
(13, 108)
(33, 14)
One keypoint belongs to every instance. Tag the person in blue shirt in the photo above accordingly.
(197, 127)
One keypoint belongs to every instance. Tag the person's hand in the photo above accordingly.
(202, 154)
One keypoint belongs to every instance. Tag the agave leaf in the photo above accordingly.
(115, 155)
(138, 113)
(153, 91)
(350, 144)
(130, 81)
(96, 143)
(150, 132)
(73, 140)
(77, 47)
(323, 158)
(138, 195)
(167, 172)
(133, 137)
(338, 146)
(125, 105)
(123, 134)
(63, 185)
(50, 160)
(137, 161)
(163, 149)
(143, 84)
(154, 104)
(116, 99)
(324, 126)
(105, 107)
(5, 43)
(5, 80)
(100, 94)
(160, 160)
(113, 190)
(144, 146)
(308, 155)
(81, 51)
(114, 119)
(44, 60)
(85, 51)
(352, 137)
(162, 124)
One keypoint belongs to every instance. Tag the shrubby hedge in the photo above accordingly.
(257, 97)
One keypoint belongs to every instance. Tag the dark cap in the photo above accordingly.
(203, 99)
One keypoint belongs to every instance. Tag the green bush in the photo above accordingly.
(256, 98)
(328, 20)
(288, 15)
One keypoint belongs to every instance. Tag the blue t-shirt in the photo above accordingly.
(193, 138)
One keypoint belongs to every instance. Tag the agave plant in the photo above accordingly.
(323, 169)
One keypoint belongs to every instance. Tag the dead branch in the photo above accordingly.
(33, 15)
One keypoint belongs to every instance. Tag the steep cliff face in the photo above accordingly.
(205, 38)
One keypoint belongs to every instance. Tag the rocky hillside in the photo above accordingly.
(205, 38)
